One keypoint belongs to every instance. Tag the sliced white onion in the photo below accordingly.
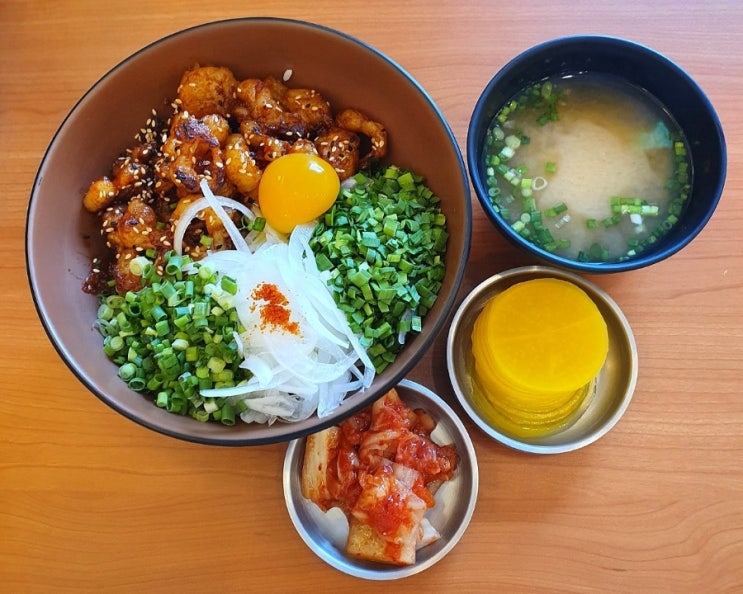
(293, 374)
(258, 366)
(229, 225)
(196, 207)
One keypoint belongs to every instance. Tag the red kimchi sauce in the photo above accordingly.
(371, 441)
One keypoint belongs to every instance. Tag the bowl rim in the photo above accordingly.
(595, 292)
(473, 146)
(448, 301)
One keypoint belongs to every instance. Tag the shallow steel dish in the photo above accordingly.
(616, 380)
(325, 533)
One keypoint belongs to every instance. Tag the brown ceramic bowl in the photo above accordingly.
(62, 238)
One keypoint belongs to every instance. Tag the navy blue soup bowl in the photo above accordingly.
(642, 67)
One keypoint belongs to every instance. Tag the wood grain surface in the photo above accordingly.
(91, 502)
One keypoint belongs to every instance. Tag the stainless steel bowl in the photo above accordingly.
(325, 533)
(616, 381)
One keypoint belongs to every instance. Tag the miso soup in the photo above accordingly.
(588, 167)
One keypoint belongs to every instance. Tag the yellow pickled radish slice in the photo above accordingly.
(521, 423)
(544, 337)
(545, 405)
(526, 414)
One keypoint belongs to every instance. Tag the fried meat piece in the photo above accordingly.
(206, 90)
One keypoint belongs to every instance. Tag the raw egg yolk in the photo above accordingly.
(295, 189)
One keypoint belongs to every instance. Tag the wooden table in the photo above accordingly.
(91, 502)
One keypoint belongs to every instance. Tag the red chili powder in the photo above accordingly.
(274, 310)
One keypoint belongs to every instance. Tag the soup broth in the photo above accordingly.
(588, 167)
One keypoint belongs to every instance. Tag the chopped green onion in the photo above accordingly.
(227, 414)
(513, 142)
(138, 265)
(611, 221)
(229, 285)
(383, 242)
(159, 342)
(127, 371)
(173, 266)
